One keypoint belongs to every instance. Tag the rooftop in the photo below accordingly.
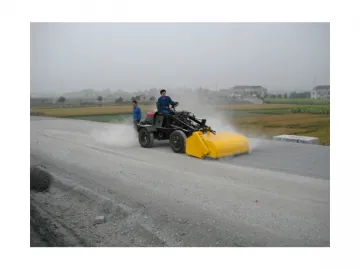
(322, 87)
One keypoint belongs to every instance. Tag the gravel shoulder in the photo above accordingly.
(66, 217)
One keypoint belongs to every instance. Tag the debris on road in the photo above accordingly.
(99, 220)
(40, 179)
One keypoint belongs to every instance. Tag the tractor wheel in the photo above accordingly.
(178, 141)
(146, 138)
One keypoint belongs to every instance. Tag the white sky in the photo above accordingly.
(135, 56)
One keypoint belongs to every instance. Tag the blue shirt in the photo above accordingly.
(164, 103)
(137, 113)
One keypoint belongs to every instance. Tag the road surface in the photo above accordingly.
(279, 195)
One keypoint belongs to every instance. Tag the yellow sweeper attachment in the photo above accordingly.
(221, 144)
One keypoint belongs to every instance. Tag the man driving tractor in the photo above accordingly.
(163, 105)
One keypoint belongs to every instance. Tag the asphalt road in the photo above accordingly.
(279, 195)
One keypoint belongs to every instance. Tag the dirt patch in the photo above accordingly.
(40, 180)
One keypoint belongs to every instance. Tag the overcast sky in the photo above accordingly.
(280, 56)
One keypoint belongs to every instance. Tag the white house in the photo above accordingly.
(321, 92)
(243, 91)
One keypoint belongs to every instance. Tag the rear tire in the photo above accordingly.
(146, 138)
(178, 141)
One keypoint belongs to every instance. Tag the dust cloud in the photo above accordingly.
(116, 134)
(123, 134)
(219, 120)
(201, 107)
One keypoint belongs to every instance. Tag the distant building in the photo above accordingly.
(242, 91)
(41, 101)
(321, 92)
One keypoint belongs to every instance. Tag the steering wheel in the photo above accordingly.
(173, 106)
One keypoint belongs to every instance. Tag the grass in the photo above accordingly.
(88, 111)
(325, 110)
(256, 106)
(109, 110)
(264, 120)
(294, 124)
(303, 101)
(105, 118)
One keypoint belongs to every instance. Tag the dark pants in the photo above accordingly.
(167, 118)
(136, 122)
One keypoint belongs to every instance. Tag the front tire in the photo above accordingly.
(178, 141)
(146, 138)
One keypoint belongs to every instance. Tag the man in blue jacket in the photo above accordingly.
(136, 113)
(164, 103)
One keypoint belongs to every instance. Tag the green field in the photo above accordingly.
(265, 120)
(297, 101)
(87, 111)
(323, 110)
(104, 118)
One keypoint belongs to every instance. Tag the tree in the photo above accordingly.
(300, 95)
(152, 98)
(99, 98)
(119, 100)
(138, 98)
(285, 95)
(61, 99)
